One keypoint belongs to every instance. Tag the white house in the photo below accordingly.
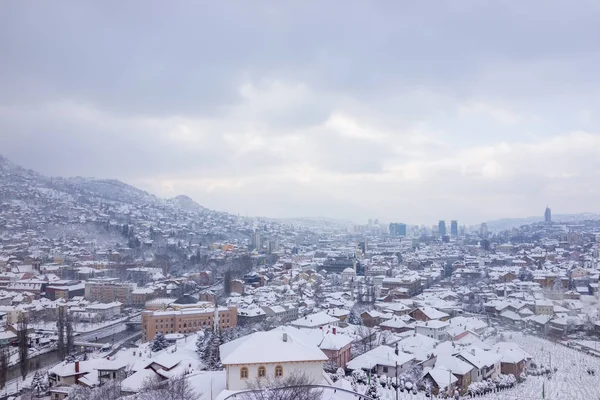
(486, 363)
(105, 310)
(434, 329)
(383, 360)
(270, 354)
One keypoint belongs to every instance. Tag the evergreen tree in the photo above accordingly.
(227, 282)
(159, 343)
(208, 350)
(201, 344)
(38, 384)
(214, 353)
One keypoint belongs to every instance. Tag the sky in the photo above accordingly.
(405, 111)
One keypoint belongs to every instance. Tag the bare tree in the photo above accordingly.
(296, 385)
(23, 336)
(60, 325)
(176, 388)
(4, 361)
(69, 332)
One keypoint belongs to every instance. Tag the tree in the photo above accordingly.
(38, 384)
(176, 388)
(79, 392)
(296, 385)
(69, 332)
(4, 361)
(317, 288)
(227, 282)
(60, 325)
(159, 343)
(23, 337)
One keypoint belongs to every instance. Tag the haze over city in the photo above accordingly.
(470, 110)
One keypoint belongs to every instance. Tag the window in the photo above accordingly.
(244, 373)
(262, 372)
(278, 371)
(385, 370)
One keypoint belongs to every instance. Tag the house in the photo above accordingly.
(372, 318)
(543, 307)
(250, 315)
(335, 345)
(514, 359)
(428, 314)
(441, 380)
(316, 320)
(237, 286)
(246, 360)
(486, 363)
(396, 308)
(86, 373)
(106, 311)
(383, 361)
(433, 329)
(471, 324)
(396, 325)
(285, 313)
(462, 370)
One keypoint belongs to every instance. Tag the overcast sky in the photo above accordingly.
(407, 111)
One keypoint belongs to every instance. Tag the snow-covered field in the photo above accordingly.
(570, 382)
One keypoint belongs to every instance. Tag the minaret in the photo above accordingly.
(216, 318)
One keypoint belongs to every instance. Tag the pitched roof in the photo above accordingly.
(250, 349)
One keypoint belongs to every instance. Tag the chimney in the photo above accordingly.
(396, 349)
(76, 367)
(334, 330)
(285, 337)
(473, 351)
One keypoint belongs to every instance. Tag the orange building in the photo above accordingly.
(186, 320)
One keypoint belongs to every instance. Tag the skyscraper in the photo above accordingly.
(454, 228)
(548, 215)
(483, 230)
(397, 229)
(442, 228)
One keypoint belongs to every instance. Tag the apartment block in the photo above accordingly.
(187, 320)
(108, 291)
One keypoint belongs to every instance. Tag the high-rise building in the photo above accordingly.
(483, 230)
(454, 228)
(256, 241)
(442, 228)
(548, 215)
(397, 229)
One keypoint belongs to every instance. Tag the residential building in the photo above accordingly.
(108, 291)
(285, 313)
(434, 329)
(245, 359)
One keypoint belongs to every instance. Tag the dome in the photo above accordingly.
(349, 271)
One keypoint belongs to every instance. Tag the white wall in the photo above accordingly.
(313, 369)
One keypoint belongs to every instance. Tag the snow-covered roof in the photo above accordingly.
(381, 355)
(283, 347)
(314, 320)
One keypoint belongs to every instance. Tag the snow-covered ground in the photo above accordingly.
(570, 382)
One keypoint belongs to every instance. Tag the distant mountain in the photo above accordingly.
(93, 209)
(186, 203)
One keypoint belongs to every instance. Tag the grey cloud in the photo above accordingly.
(144, 69)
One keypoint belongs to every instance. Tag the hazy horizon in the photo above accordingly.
(470, 110)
